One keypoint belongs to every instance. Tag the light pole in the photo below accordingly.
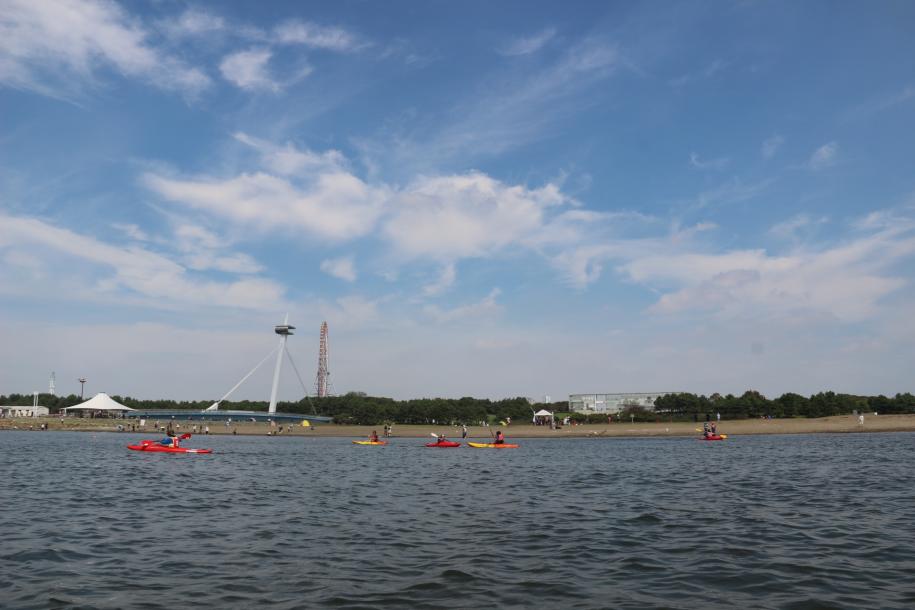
(82, 382)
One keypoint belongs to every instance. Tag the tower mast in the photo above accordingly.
(283, 330)
(321, 378)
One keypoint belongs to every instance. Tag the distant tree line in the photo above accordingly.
(351, 408)
(754, 404)
(358, 408)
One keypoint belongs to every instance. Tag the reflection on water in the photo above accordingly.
(766, 522)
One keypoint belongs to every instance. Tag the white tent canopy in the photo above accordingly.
(99, 402)
(543, 413)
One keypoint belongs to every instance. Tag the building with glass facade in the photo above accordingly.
(612, 403)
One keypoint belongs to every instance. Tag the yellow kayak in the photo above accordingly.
(370, 442)
(493, 446)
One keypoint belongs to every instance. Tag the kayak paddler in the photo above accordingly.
(500, 438)
(441, 438)
(170, 440)
(706, 429)
(374, 436)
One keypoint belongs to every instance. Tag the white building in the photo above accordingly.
(612, 403)
(23, 411)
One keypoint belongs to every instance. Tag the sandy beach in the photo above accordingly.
(837, 424)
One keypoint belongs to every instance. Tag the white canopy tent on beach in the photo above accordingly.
(100, 402)
(542, 413)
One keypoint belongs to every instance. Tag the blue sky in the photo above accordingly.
(487, 199)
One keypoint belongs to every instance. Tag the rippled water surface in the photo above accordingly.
(824, 521)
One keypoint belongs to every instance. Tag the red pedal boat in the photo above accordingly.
(155, 447)
(443, 444)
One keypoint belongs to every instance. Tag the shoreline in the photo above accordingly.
(834, 424)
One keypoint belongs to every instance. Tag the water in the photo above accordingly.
(819, 521)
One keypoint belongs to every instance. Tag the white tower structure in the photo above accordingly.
(51, 385)
(283, 330)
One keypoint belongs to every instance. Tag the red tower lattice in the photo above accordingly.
(322, 381)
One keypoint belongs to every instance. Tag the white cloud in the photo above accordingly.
(248, 70)
(333, 205)
(529, 44)
(771, 145)
(824, 156)
(485, 308)
(343, 268)
(718, 163)
(351, 312)
(202, 250)
(315, 36)
(449, 217)
(54, 47)
(151, 278)
(845, 281)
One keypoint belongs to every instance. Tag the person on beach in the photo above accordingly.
(500, 438)
(374, 436)
(463, 430)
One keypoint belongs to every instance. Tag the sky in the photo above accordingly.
(488, 199)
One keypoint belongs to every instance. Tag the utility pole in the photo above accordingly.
(82, 383)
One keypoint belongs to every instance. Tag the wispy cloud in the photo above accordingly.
(444, 281)
(485, 308)
(132, 273)
(289, 160)
(343, 268)
(733, 191)
(718, 163)
(518, 109)
(528, 44)
(316, 36)
(823, 157)
(792, 227)
(885, 102)
(771, 145)
(57, 48)
(193, 22)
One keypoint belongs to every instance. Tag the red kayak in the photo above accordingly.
(443, 444)
(155, 447)
(714, 437)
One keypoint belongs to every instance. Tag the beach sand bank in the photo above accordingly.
(837, 424)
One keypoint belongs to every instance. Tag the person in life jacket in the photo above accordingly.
(171, 440)
(707, 429)
(500, 438)
(374, 436)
